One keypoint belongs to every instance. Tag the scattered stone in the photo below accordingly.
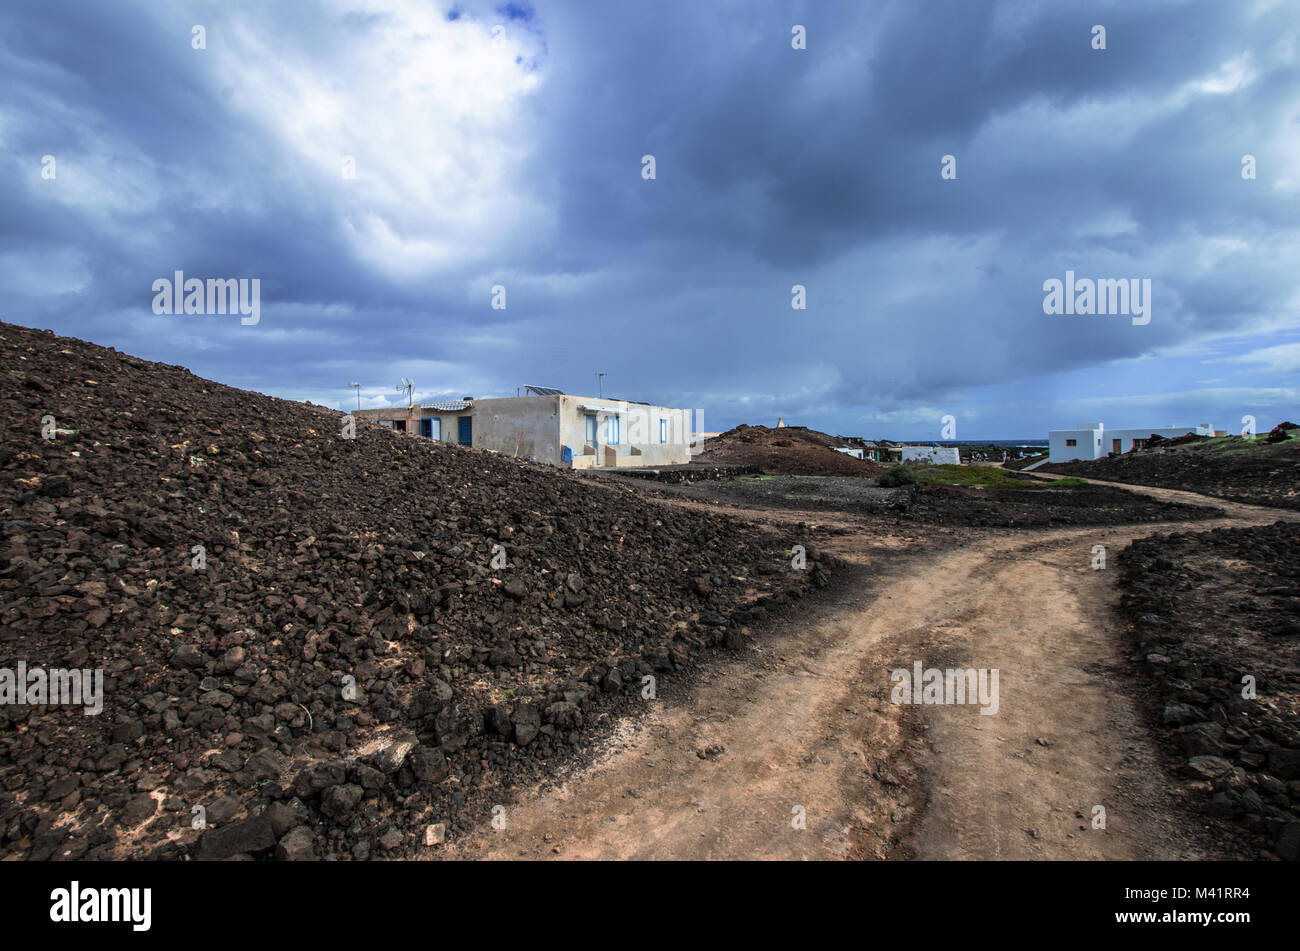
(527, 721)
(222, 810)
(429, 765)
(138, 810)
(297, 845)
(282, 818)
(247, 836)
(1207, 767)
(338, 802)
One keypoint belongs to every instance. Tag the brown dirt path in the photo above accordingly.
(719, 769)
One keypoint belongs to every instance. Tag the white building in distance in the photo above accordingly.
(935, 455)
(1094, 441)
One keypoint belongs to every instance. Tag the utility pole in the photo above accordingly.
(600, 385)
(358, 388)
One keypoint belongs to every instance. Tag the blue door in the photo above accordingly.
(465, 431)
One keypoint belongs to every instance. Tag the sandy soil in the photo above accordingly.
(802, 724)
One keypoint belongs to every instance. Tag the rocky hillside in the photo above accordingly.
(306, 647)
(787, 450)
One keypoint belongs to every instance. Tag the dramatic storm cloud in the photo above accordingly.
(381, 166)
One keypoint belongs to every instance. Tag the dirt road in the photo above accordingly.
(794, 749)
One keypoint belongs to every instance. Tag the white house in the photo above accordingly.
(1094, 441)
(579, 432)
(935, 455)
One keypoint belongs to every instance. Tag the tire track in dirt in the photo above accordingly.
(716, 769)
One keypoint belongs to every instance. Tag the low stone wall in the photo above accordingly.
(692, 472)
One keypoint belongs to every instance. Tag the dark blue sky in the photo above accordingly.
(502, 145)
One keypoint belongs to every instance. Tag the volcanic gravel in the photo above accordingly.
(787, 450)
(1037, 507)
(1209, 609)
(340, 667)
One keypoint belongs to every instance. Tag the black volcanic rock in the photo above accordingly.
(271, 603)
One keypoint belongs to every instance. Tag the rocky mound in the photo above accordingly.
(306, 647)
(1036, 507)
(1282, 432)
(1263, 472)
(787, 450)
(1210, 609)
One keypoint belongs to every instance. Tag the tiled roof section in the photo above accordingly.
(448, 405)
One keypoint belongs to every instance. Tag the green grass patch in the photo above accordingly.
(986, 477)
(970, 476)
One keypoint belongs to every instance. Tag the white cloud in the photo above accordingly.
(1236, 74)
(435, 115)
(1284, 358)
